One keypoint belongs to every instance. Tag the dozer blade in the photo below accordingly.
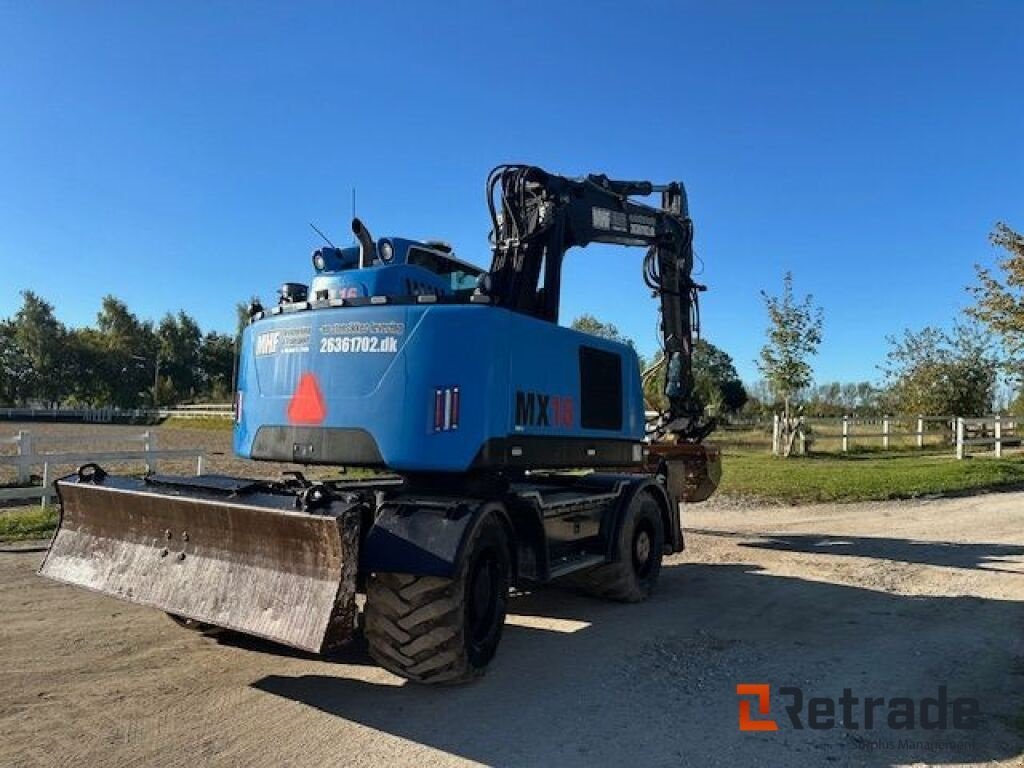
(214, 550)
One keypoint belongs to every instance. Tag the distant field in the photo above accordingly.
(864, 476)
(866, 472)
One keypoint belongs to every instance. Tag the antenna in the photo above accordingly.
(326, 239)
(353, 210)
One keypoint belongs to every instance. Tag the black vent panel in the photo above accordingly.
(600, 389)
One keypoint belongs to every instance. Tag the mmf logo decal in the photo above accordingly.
(285, 340)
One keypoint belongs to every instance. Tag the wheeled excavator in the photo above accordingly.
(503, 450)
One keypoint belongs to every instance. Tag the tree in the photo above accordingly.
(179, 340)
(999, 298)
(794, 334)
(837, 399)
(41, 338)
(216, 364)
(593, 326)
(89, 367)
(130, 354)
(15, 367)
(931, 372)
(120, 361)
(715, 378)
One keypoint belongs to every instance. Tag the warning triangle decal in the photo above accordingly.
(307, 403)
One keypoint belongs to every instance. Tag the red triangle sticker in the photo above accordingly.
(307, 403)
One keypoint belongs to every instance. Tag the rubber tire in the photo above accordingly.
(418, 626)
(622, 580)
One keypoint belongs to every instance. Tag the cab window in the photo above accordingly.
(461, 278)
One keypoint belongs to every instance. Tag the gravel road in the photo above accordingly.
(889, 600)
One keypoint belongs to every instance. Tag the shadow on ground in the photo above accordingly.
(353, 652)
(943, 553)
(654, 684)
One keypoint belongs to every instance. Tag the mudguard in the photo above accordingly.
(424, 537)
(612, 524)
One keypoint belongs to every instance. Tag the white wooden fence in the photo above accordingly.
(995, 430)
(29, 455)
(110, 415)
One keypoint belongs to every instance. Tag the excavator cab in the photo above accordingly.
(391, 267)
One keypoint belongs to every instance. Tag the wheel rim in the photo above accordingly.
(643, 550)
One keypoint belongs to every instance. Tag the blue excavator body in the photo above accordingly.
(400, 365)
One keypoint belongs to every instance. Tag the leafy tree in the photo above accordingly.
(130, 354)
(1016, 406)
(717, 382)
(839, 398)
(216, 364)
(931, 372)
(115, 362)
(999, 297)
(89, 367)
(593, 326)
(794, 334)
(178, 339)
(15, 367)
(41, 339)
(715, 379)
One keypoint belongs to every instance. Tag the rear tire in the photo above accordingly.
(639, 549)
(434, 630)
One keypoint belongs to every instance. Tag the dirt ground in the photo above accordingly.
(889, 600)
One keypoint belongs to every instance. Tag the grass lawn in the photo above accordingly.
(24, 523)
(863, 477)
(216, 423)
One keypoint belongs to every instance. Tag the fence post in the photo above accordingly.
(775, 434)
(920, 432)
(148, 445)
(199, 464)
(885, 433)
(45, 500)
(24, 456)
(846, 434)
(959, 437)
(998, 429)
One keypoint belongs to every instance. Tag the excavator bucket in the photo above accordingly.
(693, 470)
(219, 550)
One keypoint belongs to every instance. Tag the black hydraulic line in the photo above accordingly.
(543, 215)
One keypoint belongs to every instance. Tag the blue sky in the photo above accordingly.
(172, 154)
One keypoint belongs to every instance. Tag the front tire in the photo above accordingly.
(434, 630)
(639, 549)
